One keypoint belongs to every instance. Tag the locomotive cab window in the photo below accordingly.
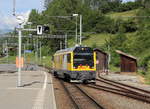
(83, 59)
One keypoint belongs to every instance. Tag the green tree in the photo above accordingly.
(34, 17)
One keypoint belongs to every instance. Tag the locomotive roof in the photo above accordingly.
(68, 49)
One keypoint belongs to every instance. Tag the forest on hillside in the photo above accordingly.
(131, 34)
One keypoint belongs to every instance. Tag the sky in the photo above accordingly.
(7, 21)
(23, 7)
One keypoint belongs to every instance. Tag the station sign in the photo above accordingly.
(28, 51)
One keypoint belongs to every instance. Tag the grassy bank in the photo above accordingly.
(92, 39)
(29, 58)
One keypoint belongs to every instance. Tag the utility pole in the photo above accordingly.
(109, 59)
(14, 5)
(76, 30)
(34, 41)
(66, 41)
(76, 15)
(80, 29)
(7, 50)
(40, 53)
(24, 53)
(3, 48)
(83, 2)
(37, 49)
(60, 45)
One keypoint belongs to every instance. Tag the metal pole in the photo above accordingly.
(76, 30)
(19, 59)
(14, 7)
(60, 45)
(40, 52)
(24, 52)
(66, 41)
(3, 48)
(109, 59)
(80, 29)
(7, 51)
(27, 44)
(37, 51)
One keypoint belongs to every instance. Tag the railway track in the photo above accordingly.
(122, 89)
(118, 84)
(80, 98)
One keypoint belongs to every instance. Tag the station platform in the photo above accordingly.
(36, 91)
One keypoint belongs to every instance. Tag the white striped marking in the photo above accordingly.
(53, 96)
(22, 88)
(45, 81)
(40, 97)
(39, 100)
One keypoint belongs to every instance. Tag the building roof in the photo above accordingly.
(96, 49)
(125, 54)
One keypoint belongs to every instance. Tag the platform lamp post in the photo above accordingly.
(76, 15)
(20, 20)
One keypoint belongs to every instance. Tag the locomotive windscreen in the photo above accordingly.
(83, 56)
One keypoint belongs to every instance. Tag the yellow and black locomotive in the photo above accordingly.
(75, 64)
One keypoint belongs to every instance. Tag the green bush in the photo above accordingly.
(46, 51)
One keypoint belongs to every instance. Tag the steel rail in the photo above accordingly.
(70, 96)
(90, 97)
(121, 87)
(111, 90)
(84, 93)
(125, 85)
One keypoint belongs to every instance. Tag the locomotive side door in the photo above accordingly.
(65, 62)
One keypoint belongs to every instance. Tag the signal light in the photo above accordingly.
(42, 29)
(46, 29)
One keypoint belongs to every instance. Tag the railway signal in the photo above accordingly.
(46, 29)
(42, 29)
(39, 30)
